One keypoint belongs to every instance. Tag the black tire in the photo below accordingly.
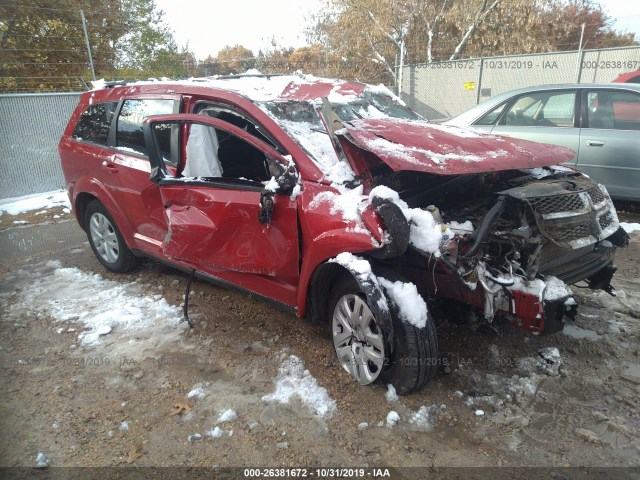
(414, 360)
(106, 240)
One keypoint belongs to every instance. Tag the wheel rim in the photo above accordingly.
(104, 238)
(358, 339)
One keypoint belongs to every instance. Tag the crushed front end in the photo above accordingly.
(514, 241)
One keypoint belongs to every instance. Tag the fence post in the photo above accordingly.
(580, 54)
(86, 39)
(480, 80)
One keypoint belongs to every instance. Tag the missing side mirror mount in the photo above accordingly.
(266, 207)
(286, 182)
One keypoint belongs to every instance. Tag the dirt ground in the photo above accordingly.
(124, 400)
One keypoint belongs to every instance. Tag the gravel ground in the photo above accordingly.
(506, 399)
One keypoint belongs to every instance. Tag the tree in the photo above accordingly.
(368, 38)
(43, 46)
(235, 59)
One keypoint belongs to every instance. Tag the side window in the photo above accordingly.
(214, 153)
(613, 110)
(95, 122)
(491, 117)
(129, 135)
(542, 109)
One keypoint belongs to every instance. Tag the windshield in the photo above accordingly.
(301, 121)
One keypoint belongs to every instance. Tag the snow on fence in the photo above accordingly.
(30, 128)
(442, 90)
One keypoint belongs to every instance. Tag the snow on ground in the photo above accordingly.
(293, 380)
(103, 306)
(391, 394)
(40, 201)
(393, 418)
(228, 415)
(630, 227)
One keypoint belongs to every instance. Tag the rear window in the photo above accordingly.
(130, 136)
(94, 123)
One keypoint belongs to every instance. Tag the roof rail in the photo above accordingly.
(115, 83)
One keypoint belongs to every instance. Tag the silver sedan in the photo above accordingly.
(599, 121)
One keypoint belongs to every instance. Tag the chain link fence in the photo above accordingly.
(30, 130)
(445, 89)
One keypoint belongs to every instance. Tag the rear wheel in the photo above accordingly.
(106, 240)
(363, 348)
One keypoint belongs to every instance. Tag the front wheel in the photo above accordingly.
(106, 240)
(364, 350)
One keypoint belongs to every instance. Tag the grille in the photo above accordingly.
(553, 256)
(568, 232)
(557, 203)
(605, 221)
(596, 195)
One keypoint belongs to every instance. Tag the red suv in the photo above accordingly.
(335, 200)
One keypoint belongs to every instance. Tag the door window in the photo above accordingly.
(611, 110)
(542, 109)
(130, 137)
(214, 153)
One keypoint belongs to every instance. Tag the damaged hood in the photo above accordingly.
(447, 150)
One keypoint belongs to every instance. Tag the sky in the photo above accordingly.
(209, 25)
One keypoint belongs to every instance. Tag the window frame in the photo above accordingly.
(160, 174)
(112, 142)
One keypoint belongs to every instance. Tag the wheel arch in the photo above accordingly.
(89, 189)
(82, 200)
(328, 275)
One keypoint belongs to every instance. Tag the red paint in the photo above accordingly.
(445, 150)
(214, 228)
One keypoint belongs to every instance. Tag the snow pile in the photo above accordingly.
(549, 361)
(391, 394)
(272, 185)
(228, 415)
(630, 227)
(215, 432)
(41, 461)
(293, 380)
(392, 418)
(424, 420)
(346, 203)
(69, 294)
(552, 289)
(18, 205)
(411, 306)
(197, 391)
(425, 233)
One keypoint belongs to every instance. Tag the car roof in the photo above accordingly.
(469, 116)
(253, 87)
(625, 77)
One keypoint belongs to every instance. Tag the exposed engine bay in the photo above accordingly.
(520, 237)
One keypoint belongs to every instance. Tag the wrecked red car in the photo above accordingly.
(334, 200)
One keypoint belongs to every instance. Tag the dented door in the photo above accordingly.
(212, 222)
(217, 228)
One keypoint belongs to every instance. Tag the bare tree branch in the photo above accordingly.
(483, 12)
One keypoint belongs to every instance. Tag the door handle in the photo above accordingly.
(595, 143)
(109, 167)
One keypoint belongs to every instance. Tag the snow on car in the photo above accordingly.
(336, 201)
